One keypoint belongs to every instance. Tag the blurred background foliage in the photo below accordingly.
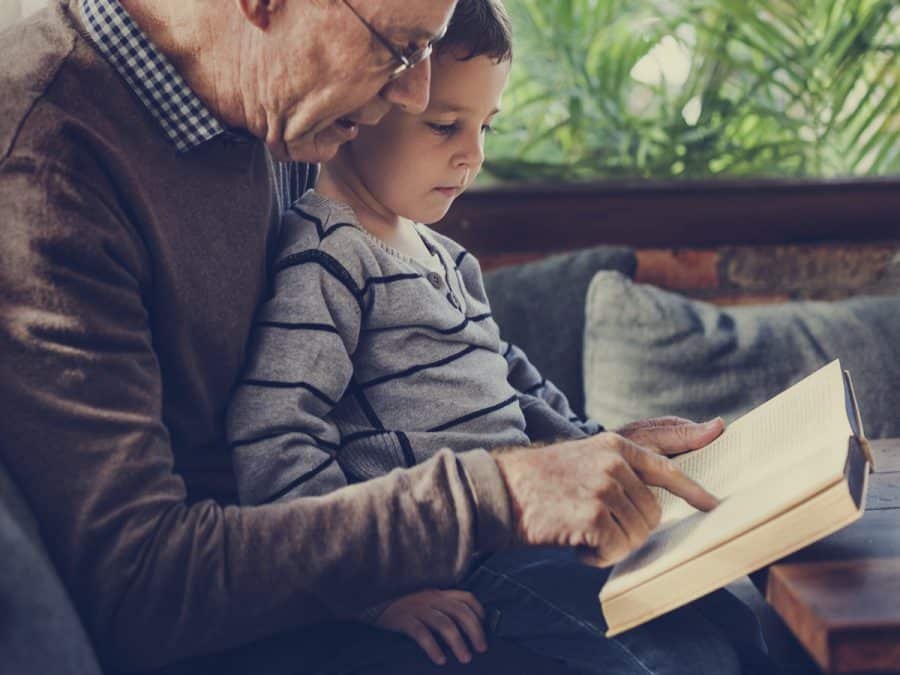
(671, 89)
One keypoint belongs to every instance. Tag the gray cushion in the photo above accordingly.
(40, 632)
(651, 352)
(540, 308)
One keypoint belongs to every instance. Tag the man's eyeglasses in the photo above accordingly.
(404, 60)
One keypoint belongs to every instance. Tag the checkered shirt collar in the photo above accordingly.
(152, 77)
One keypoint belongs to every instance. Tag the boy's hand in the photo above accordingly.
(448, 614)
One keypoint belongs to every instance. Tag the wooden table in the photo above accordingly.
(841, 596)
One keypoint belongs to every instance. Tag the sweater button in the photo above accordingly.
(435, 280)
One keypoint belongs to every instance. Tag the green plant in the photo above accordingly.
(671, 89)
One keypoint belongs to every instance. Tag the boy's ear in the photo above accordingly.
(259, 12)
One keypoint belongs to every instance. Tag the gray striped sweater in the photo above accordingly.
(363, 360)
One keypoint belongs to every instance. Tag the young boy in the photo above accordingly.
(377, 349)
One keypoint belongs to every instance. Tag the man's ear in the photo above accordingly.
(259, 12)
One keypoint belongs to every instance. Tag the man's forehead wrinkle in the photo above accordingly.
(401, 24)
(414, 34)
(421, 33)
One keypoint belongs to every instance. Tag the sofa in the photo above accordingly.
(620, 351)
(624, 351)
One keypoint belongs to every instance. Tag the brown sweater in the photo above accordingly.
(129, 276)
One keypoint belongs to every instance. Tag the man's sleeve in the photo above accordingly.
(155, 578)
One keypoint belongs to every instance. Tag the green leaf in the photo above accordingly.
(786, 88)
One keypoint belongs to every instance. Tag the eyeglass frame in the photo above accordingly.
(404, 61)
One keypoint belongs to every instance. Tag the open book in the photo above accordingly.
(788, 473)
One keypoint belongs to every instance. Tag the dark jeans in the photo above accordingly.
(357, 649)
(550, 624)
(549, 604)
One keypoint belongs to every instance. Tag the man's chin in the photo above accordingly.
(310, 150)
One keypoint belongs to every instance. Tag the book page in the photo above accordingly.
(758, 502)
(803, 420)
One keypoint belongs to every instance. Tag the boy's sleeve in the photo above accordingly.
(298, 367)
(548, 415)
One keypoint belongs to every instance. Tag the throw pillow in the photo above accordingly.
(651, 352)
(540, 308)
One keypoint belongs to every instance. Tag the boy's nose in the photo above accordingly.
(472, 155)
(409, 92)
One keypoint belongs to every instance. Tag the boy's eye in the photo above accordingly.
(447, 129)
(443, 129)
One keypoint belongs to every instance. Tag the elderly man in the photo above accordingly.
(146, 150)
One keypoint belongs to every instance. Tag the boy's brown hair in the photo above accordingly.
(478, 28)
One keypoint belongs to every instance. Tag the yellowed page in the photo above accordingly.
(801, 421)
(774, 457)
(759, 502)
(811, 520)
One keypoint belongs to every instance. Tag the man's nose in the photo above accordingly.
(410, 91)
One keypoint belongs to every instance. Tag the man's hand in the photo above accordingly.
(448, 614)
(592, 493)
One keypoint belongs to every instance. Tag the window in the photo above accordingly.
(699, 89)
